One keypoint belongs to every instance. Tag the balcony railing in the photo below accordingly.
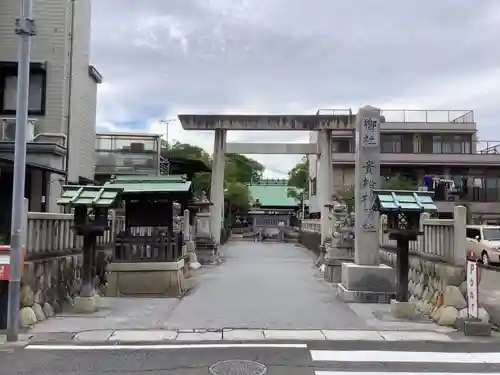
(8, 129)
(413, 115)
(474, 194)
(427, 116)
(418, 146)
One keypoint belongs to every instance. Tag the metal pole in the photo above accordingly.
(25, 28)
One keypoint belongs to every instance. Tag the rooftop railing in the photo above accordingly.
(420, 146)
(425, 115)
(412, 115)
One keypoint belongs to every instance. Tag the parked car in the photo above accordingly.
(483, 243)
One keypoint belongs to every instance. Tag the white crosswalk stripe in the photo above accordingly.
(401, 356)
(413, 358)
(397, 373)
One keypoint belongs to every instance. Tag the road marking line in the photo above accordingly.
(402, 356)
(396, 373)
(161, 346)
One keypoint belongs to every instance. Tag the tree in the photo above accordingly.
(243, 169)
(185, 151)
(239, 196)
(298, 180)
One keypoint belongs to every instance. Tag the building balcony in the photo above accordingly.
(42, 149)
(484, 153)
(128, 153)
(481, 201)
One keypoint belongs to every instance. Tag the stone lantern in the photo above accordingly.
(91, 205)
(403, 210)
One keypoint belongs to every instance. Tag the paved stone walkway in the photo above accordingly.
(265, 285)
(261, 286)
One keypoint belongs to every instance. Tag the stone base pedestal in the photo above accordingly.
(333, 269)
(85, 305)
(207, 251)
(367, 284)
(473, 327)
(402, 310)
(147, 279)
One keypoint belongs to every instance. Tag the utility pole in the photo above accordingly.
(167, 123)
(25, 28)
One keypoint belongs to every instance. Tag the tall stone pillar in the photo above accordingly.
(217, 184)
(324, 179)
(367, 280)
(366, 179)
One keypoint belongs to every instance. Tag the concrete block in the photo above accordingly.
(363, 296)
(380, 279)
(85, 305)
(476, 328)
(367, 284)
(402, 310)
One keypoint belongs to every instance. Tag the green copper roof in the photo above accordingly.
(135, 184)
(406, 201)
(272, 195)
(90, 196)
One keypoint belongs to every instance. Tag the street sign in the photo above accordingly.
(5, 262)
(472, 289)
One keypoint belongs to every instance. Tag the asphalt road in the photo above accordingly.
(312, 358)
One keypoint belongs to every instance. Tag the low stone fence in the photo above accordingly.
(437, 275)
(53, 261)
(310, 235)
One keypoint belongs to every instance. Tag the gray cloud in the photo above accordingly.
(164, 57)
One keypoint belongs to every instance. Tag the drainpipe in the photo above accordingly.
(70, 88)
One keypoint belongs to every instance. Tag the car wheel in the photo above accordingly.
(485, 258)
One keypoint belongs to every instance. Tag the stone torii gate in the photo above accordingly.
(220, 124)
(367, 269)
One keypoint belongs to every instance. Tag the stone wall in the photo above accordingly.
(437, 289)
(48, 286)
(310, 240)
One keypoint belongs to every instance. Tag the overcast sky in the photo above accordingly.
(160, 58)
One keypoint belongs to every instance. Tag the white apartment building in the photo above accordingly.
(62, 103)
(418, 143)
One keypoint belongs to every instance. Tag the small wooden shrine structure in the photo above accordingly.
(149, 256)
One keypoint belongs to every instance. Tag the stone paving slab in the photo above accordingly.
(149, 335)
(243, 334)
(273, 335)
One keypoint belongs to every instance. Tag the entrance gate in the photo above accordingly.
(322, 124)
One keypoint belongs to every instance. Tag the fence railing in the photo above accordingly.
(52, 232)
(442, 239)
(437, 239)
(421, 115)
(311, 225)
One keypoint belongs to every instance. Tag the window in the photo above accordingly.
(313, 186)
(491, 234)
(8, 89)
(390, 143)
(457, 144)
(472, 233)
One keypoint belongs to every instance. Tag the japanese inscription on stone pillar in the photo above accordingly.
(367, 180)
(366, 197)
(370, 171)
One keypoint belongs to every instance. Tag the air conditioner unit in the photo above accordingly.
(8, 130)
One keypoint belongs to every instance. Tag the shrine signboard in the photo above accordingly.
(472, 289)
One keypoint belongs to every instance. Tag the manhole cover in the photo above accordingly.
(237, 367)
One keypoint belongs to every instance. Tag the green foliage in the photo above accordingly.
(242, 169)
(239, 195)
(396, 182)
(239, 170)
(185, 151)
(298, 180)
